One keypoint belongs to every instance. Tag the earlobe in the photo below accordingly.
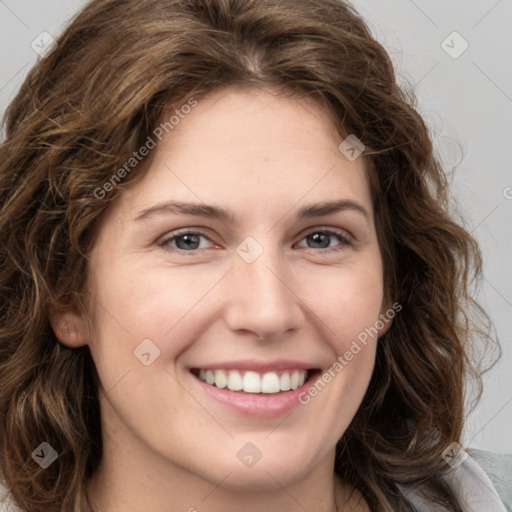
(69, 326)
(386, 317)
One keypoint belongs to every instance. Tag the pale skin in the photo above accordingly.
(168, 446)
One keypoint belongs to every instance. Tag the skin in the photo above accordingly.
(167, 445)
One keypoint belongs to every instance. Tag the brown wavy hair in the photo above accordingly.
(83, 111)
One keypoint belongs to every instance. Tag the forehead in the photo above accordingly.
(251, 148)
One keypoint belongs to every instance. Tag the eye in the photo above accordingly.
(326, 240)
(322, 239)
(187, 241)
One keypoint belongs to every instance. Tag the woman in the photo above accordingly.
(229, 279)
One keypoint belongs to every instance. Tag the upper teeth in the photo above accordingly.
(253, 382)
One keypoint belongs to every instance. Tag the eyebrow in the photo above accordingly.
(216, 212)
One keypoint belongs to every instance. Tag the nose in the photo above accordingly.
(260, 297)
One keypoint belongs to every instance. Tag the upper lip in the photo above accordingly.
(258, 366)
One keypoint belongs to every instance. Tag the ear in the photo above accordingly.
(69, 325)
(387, 314)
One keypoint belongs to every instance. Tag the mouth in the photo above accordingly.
(254, 382)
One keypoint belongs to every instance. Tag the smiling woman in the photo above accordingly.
(271, 306)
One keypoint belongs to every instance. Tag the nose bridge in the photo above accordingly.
(262, 300)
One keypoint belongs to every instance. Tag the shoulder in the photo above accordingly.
(498, 468)
(477, 490)
(481, 482)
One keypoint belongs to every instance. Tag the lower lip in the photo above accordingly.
(257, 404)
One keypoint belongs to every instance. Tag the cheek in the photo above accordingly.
(348, 303)
(128, 311)
(134, 302)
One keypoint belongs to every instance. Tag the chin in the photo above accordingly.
(275, 469)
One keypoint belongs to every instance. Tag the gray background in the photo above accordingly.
(467, 102)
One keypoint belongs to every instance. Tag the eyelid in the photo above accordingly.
(344, 236)
(180, 232)
(346, 240)
(342, 233)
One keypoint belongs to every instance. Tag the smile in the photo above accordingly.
(252, 381)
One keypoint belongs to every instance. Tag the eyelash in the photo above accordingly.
(344, 240)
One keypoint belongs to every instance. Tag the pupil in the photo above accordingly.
(191, 241)
(320, 239)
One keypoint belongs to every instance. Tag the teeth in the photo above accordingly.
(221, 380)
(235, 382)
(270, 383)
(284, 382)
(254, 382)
(294, 379)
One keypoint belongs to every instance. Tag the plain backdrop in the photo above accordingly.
(453, 56)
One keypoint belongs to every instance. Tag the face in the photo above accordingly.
(247, 257)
